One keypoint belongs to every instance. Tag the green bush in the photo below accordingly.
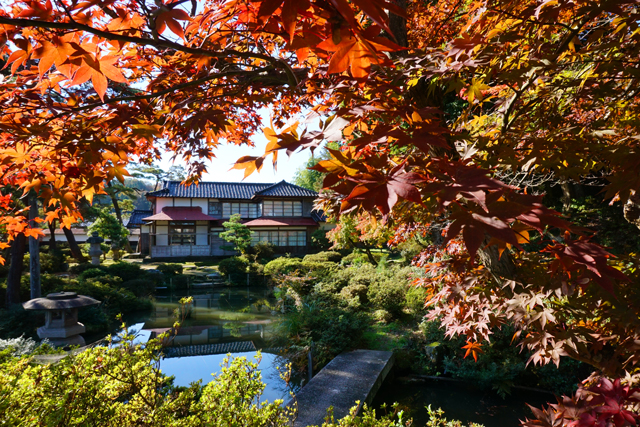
(179, 282)
(126, 271)
(282, 265)
(140, 287)
(319, 240)
(354, 295)
(326, 256)
(53, 261)
(331, 329)
(92, 273)
(17, 321)
(234, 269)
(264, 251)
(80, 268)
(170, 270)
(415, 299)
(387, 295)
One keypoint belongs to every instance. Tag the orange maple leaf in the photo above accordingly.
(170, 19)
(473, 348)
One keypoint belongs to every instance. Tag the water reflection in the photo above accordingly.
(217, 316)
(460, 401)
(219, 319)
(189, 369)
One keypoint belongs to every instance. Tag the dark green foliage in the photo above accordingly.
(500, 366)
(17, 321)
(331, 329)
(319, 240)
(235, 269)
(263, 251)
(79, 268)
(93, 273)
(53, 261)
(170, 269)
(237, 234)
(326, 256)
(179, 282)
(126, 271)
(142, 287)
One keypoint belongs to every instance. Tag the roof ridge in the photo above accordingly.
(227, 182)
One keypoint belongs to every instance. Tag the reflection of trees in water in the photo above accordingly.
(234, 328)
(281, 378)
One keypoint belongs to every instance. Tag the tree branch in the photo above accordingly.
(159, 43)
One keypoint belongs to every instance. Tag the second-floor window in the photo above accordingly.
(282, 208)
(246, 210)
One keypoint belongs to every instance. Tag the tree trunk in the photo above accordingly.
(73, 245)
(52, 235)
(118, 211)
(34, 249)
(566, 196)
(632, 209)
(15, 270)
(398, 25)
(372, 260)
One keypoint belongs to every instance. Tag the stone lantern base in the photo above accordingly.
(63, 335)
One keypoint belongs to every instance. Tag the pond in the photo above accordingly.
(236, 320)
(460, 401)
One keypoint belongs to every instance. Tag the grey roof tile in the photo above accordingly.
(135, 219)
(231, 190)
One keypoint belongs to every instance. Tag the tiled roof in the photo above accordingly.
(171, 213)
(318, 216)
(135, 219)
(284, 189)
(274, 222)
(230, 190)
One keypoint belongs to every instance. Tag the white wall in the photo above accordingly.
(163, 202)
(178, 201)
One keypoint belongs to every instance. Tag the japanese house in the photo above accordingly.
(186, 220)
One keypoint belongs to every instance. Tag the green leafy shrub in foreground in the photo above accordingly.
(124, 386)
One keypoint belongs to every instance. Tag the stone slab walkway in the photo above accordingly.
(352, 376)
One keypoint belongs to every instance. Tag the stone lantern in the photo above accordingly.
(61, 310)
(94, 248)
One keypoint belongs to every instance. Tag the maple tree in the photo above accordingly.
(435, 107)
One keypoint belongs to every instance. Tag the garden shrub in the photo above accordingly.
(179, 282)
(282, 265)
(382, 316)
(326, 256)
(354, 295)
(234, 269)
(125, 270)
(387, 295)
(140, 287)
(16, 321)
(415, 299)
(92, 273)
(331, 329)
(170, 270)
(263, 251)
(53, 261)
(80, 268)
